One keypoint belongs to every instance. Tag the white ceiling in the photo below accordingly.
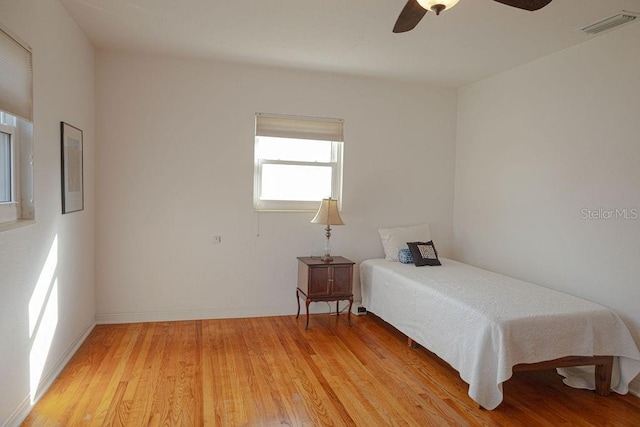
(473, 40)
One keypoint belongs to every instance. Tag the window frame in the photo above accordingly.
(336, 165)
(9, 209)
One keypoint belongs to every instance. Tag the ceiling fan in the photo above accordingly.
(414, 10)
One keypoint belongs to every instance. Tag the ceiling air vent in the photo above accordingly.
(621, 18)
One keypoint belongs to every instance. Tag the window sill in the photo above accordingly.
(5, 226)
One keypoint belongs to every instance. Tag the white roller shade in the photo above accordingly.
(16, 87)
(299, 127)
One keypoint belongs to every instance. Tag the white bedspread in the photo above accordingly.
(483, 323)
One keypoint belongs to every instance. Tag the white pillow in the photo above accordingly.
(394, 239)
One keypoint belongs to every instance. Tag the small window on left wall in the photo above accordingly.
(16, 132)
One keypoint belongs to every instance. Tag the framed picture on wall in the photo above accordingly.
(72, 169)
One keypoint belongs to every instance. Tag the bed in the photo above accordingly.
(486, 325)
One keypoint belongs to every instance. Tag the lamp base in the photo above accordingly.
(326, 258)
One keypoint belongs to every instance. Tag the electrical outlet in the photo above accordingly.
(358, 309)
(217, 239)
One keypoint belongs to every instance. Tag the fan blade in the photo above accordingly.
(409, 17)
(526, 4)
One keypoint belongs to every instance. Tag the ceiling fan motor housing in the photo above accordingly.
(437, 6)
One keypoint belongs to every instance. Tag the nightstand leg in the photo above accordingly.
(349, 314)
(338, 308)
(298, 300)
(307, 303)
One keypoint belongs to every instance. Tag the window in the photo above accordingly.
(16, 169)
(16, 130)
(9, 179)
(7, 132)
(298, 162)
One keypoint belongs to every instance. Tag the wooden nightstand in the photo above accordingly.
(325, 281)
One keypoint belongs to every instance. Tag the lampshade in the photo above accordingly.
(437, 5)
(328, 213)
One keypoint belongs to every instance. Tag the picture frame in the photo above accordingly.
(72, 168)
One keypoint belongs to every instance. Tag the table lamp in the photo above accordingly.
(328, 215)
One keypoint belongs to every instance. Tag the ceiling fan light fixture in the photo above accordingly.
(437, 5)
(415, 10)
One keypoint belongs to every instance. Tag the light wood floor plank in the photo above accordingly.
(271, 371)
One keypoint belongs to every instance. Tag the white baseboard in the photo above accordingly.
(21, 412)
(177, 315)
(213, 313)
(634, 387)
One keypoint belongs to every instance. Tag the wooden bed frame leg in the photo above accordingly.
(603, 377)
(412, 343)
(603, 365)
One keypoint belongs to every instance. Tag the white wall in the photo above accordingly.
(64, 90)
(537, 145)
(175, 168)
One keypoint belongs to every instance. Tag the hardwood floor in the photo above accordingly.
(270, 371)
